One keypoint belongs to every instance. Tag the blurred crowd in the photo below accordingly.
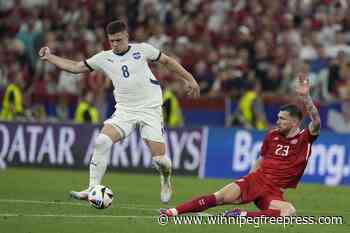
(230, 46)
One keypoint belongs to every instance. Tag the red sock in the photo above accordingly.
(198, 204)
(268, 212)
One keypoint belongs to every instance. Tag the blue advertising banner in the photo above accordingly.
(231, 152)
(213, 152)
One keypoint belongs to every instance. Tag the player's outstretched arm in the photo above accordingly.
(303, 90)
(63, 63)
(192, 87)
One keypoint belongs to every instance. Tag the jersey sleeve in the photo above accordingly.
(95, 62)
(151, 53)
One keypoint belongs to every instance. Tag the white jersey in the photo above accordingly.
(135, 87)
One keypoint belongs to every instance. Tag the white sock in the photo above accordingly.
(98, 164)
(163, 164)
(173, 211)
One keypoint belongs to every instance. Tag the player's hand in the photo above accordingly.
(192, 89)
(302, 87)
(44, 53)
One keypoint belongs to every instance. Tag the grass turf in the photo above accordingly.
(37, 201)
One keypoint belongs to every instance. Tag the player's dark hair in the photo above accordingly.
(116, 26)
(293, 110)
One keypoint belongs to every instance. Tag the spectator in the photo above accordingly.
(158, 38)
(204, 77)
(343, 83)
(171, 110)
(340, 121)
(62, 108)
(340, 45)
(29, 34)
(37, 113)
(12, 103)
(250, 112)
(86, 112)
(271, 81)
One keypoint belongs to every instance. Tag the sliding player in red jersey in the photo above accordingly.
(284, 156)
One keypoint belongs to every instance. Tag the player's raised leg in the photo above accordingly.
(98, 165)
(230, 194)
(163, 164)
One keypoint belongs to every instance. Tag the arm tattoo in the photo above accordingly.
(314, 115)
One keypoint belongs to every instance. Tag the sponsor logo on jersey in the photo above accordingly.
(294, 141)
(136, 55)
(275, 138)
(110, 60)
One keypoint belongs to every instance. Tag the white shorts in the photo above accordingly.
(149, 122)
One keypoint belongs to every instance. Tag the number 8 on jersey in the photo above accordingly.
(125, 71)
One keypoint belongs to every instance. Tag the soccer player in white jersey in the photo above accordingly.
(138, 96)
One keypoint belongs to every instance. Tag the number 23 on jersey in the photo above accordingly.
(282, 150)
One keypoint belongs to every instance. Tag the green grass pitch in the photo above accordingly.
(37, 201)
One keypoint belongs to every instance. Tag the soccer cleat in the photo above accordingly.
(82, 195)
(165, 188)
(163, 165)
(233, 213)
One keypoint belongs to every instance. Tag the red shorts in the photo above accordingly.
(253, 188)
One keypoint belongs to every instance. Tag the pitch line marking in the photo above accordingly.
(71, 204)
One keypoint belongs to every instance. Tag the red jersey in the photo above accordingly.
(284, 159)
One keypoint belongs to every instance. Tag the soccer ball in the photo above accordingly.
(100, 197)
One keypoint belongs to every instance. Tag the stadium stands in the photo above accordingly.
(226, 45)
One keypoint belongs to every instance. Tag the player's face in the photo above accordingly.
(119, 41)
(286, 122)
